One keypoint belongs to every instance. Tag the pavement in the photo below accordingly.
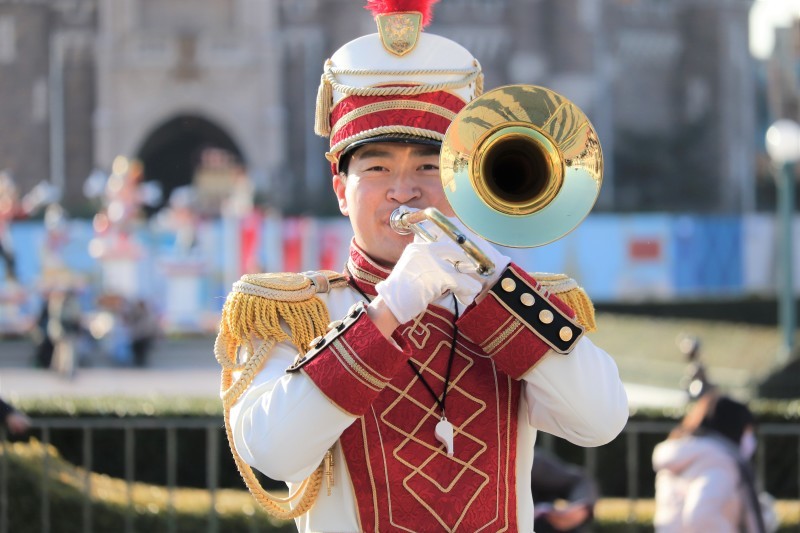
(177, 367)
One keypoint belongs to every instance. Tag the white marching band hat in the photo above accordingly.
(400, 84)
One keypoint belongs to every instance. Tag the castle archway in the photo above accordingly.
(174, 152)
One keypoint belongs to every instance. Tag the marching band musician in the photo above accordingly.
(417, 407)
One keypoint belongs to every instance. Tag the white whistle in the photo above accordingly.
(444, 434)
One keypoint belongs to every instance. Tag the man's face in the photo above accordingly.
(380, 178)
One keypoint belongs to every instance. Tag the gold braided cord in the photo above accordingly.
(307, 491)
(402, 130)
(362, 274)
(377, 107)
(284, 286)
(247, 315)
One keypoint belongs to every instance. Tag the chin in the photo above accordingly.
(388, 250)
(390, 255)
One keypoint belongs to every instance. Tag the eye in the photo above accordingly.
(429, 166)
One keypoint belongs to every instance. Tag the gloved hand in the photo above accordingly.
(467, 266)
(422, 275)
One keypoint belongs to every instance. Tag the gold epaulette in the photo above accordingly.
(568, 290)
(259, 302)
(255, 309)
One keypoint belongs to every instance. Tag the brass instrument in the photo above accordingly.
(404, 222)
(520, 165)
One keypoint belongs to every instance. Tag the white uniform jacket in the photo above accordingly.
(356, 394)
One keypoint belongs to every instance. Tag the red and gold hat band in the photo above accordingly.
(329, 83)
(389, 107)
(359, 117)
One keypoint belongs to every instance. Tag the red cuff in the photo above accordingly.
(355, 366)
(518, 322)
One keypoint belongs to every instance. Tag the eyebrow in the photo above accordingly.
(419, 150)
(370, 152)
(424, 150)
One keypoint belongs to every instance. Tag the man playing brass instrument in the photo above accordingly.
(417, 408)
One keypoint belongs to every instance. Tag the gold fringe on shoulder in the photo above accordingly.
(570, 293)
(254, 311)
(579, 301)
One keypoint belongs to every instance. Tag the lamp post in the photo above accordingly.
(783, 147)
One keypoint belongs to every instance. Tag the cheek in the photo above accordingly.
(366, 197)
(446, 210)
(354, 197)
(436, 198)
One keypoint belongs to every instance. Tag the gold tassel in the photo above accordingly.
(245, 316)
(571, 294)
(322, 119)
(580, 302)
(328, 468)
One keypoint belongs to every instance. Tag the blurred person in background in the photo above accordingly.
(143, 330)
(64, 329)
(16, 422)
(704, 479)
(9, 209)
(564, 495)
(43, 344)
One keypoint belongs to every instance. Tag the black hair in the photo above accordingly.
(729, 418)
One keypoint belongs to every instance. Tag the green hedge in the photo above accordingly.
(120, 406)
(150, 510)
(781, 474)
(778, 411)
(781, 452)
(168, 406)
(150, 445)
(236, 511)
(619, 515)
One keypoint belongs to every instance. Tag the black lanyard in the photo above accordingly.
(440, 403)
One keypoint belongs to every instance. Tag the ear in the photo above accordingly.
(339, 187)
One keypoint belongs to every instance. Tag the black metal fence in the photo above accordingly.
(622, 467)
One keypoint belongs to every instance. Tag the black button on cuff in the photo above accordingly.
(528, 304)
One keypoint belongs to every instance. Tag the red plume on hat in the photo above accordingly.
(385, 7)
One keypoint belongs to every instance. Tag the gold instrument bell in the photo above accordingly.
(521, 166)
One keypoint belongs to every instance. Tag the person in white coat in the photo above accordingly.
(417, 407)
(704, 482)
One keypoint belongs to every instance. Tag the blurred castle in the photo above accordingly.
(670, 86)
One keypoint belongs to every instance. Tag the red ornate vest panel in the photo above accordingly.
(403, 478)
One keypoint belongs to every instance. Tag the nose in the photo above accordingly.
(404, 188)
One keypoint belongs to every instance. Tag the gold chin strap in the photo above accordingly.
(255, 308)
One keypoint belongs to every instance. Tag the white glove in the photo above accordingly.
(422, 275)
(467, 265)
